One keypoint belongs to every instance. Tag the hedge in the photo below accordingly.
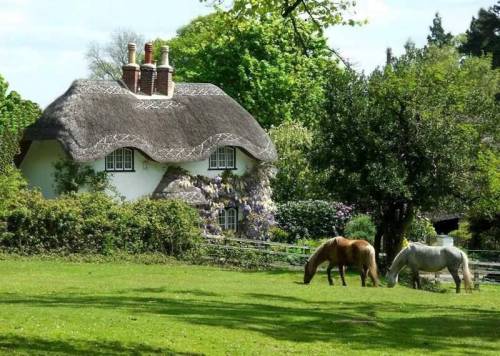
(95, 223)
(313, 218)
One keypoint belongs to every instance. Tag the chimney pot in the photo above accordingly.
(130, 71)
(164, 82)
(148, 71)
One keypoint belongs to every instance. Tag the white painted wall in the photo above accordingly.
(38, 168)
(38, 165)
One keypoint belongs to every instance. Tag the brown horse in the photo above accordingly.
(343, 252)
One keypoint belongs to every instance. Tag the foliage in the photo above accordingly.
(421, 230)
(15, 114)
(462, 234)
(94, 223)
(71, 176)
(256, 62)
(277, 234)
(11, 183)
(407, 136)
(438, 37)
(295, 179)
(360, 227)
(312, 218)
(483, 35)
(295, 16)
(105, 62)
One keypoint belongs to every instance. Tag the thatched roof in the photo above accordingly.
(93, 118)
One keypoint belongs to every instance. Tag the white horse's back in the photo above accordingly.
(433, 258)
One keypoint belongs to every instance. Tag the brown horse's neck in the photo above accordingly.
(316, 259)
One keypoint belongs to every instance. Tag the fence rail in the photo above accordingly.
(483, 271)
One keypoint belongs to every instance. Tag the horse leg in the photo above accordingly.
(329, 273)
(415, 279)
(363, 271)
(341, 272)
(456, 278)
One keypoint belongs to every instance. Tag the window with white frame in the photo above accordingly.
(223, 158)
(121, 160)
(228, 219)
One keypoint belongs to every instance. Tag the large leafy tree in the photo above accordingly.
(295, 16)
(483, 35)
(15, 114)
(438, 36)
(257, 62)
(407, 137)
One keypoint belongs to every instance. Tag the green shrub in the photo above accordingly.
(361, 227)
(95, 223)
(422, 230)
(11, 182)
(313, 218)
(279, 235)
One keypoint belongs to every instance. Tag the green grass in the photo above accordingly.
(62, 307)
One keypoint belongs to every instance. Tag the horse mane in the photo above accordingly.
(399, 257)
(312, 259)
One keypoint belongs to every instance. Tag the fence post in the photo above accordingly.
(476, 277)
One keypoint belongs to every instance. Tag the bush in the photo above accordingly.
(313, 218)
(94, 223)
(361, 227)
(421, 230)
(279, 235)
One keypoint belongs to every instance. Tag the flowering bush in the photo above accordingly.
(313, 218)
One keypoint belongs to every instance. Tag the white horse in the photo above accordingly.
(418, 256)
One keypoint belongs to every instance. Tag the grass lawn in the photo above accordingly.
(81, 308)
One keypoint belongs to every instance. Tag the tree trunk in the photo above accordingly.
(396, 221)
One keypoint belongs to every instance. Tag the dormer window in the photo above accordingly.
(223, 158)
(228, 219)
(121, 160)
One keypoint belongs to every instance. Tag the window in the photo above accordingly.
(228, 219)
(120, 160)
(223, 158)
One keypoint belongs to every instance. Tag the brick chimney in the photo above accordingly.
(148, 71)
(131, 70)
(164, 83)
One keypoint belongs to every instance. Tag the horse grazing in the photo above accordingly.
(343, 252)
(418, 256)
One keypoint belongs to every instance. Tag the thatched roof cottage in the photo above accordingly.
(156, 138)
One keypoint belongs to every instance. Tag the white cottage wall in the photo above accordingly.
(38, 168)
(38, 165)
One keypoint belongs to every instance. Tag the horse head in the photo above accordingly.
(391, 278)
(307, 273)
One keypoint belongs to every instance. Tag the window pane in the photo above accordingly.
(229, 157)
(128, 159)
(222, 218)
(110, 161)
(231, 219)
(213, 160)
(221, 153)
(119, 159)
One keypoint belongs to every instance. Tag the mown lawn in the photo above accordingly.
(89, 308)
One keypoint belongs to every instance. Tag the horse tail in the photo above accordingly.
(466, 271)
(372, 265)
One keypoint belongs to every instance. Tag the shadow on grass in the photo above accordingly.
(34, 345)
(386, 327)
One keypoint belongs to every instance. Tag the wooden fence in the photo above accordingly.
(483, 272)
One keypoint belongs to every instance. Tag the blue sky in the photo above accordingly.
(43, 43)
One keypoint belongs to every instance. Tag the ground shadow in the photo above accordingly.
(35, 345)
(357, 323)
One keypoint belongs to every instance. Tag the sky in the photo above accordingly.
(43, 43)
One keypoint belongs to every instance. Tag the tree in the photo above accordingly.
(438, 36)
(483, 35)
(257, 63)
(105, 62)
(295, 16)
(295, 179)
(402, 140)
(15, 114)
